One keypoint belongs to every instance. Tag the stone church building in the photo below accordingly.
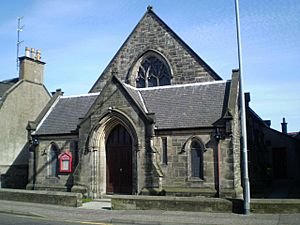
(158, 120)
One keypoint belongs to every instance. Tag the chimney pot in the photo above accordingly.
(58, 90)
(27, 51)
(38, 55)
(32, 51)
(31, 68)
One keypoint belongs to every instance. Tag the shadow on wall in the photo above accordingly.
(17, 174)
(52, 183)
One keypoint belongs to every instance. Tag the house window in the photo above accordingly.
(164, 151)
(152, 71)
(53, 160)
(196, 159)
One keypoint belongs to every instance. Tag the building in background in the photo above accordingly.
(273, 155)
(21, 100)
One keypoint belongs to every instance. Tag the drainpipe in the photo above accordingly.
(218, 138)
(35, 143)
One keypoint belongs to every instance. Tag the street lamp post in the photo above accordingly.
(245, 177)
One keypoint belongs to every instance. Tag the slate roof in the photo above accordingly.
(7, 84)
(65, 113)
(174, 106)
(136, 95)
(185, 106)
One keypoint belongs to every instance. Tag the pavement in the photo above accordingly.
(97, 204)
(98, 212)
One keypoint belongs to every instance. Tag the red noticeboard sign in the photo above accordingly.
(65, 162)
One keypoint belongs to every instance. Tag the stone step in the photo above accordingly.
(102, 200)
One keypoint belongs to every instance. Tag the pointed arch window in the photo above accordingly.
(152, 71)
(196, 159)
(53, 160)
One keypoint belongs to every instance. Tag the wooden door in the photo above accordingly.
(119, 161)
(279, 163)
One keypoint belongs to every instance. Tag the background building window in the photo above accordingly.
(164, 151)
(196, 159)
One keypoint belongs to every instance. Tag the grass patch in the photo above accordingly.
(85, 200)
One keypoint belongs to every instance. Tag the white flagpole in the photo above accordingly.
(245, 177)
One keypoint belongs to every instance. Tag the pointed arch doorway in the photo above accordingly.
(119, 161)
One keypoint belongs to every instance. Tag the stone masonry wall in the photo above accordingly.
(237, 153)
(61, 182)
(177, 171)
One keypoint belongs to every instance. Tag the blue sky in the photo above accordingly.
(79, 37)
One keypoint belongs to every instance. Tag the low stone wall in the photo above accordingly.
(203, 204)
(198, 204)
(43, 197)
(275, 205)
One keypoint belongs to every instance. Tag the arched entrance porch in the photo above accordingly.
(114, 144)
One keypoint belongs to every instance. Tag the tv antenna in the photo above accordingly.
(19, 29)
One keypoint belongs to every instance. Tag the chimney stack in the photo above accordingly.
(268, 122)
(31, 66)
(247, 99)
(284, 126)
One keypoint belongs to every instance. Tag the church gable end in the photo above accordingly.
(152, 35)
(116, 97)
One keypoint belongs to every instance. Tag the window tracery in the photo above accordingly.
(152, 72)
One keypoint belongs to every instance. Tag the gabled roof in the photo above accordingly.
(188, 48)
(184, 106)
(7, 84)
(259, 120)
(130, 44)
(294, 134)
(63, 116)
